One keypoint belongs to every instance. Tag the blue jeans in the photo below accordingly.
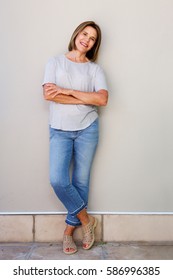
(72, 186)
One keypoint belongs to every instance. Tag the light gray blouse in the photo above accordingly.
(88, 77)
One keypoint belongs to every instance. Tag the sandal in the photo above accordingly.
(89, 236)
(69, 247)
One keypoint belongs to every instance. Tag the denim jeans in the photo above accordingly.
(71, 157)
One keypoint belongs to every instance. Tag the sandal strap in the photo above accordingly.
(88, 231)
(68, 243)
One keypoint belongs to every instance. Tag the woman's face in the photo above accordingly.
(86, 39)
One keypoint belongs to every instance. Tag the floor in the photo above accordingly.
(100, 251)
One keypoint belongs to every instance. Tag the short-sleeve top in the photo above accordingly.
(87, 77)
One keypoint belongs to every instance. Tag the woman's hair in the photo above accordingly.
(93, 52)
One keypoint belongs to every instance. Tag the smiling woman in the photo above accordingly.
(85, 40)
(75, 85)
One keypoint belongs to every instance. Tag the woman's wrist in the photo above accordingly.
(67, 91)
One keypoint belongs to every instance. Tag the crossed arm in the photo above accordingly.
(57, 94)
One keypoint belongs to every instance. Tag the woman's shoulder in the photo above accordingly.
(96, 67)
(96, 64)
(55, 59)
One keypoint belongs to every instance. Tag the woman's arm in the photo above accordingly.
(69, 96)
(99, 98)
(53, 93)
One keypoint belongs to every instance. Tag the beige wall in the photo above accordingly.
(132, 170)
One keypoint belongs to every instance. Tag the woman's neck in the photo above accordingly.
(76, 56)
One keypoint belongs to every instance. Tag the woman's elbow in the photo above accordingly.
(104, 99)
(46, 96)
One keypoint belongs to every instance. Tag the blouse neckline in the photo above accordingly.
(76, 61)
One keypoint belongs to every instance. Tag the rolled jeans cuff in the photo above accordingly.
(77, 211)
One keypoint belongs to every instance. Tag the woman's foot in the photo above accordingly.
(69, 247)
(88, 231)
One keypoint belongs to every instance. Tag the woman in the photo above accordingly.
(75, 85)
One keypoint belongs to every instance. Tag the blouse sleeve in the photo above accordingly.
(100, 80)
(50, 72)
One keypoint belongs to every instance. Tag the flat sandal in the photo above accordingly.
(89, 237)
(69, 247)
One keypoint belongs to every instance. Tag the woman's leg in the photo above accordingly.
(61, 151)
(84, 150)
(85, 146)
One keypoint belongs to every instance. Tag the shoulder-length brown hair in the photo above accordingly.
(93, 53)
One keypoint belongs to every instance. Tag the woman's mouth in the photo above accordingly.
(84, 44)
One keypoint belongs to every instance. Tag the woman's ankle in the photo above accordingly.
(83, 217)
(69, 230)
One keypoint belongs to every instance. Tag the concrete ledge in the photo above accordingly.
(16, 228)
(49, 228)
(139, 228)
(111, 228)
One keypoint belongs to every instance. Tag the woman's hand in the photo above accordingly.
(51, 90)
